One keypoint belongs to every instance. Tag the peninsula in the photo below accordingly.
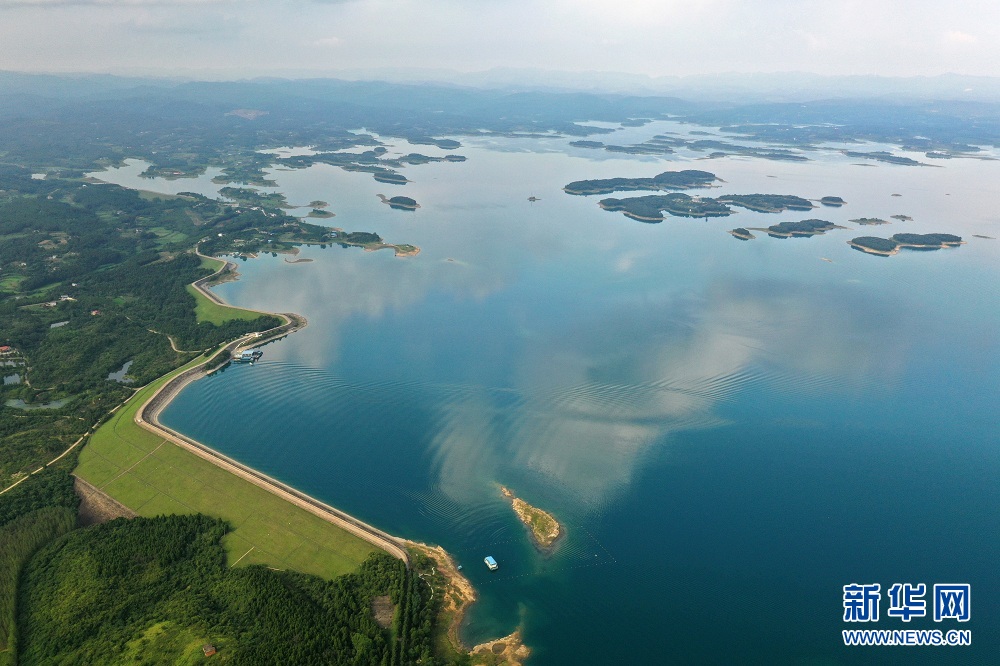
(544, 529)
(767, 203)
(887, 247)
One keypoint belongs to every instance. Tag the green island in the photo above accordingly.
(741, 233)
(650, 208)
(767, 203)
(443, 144)
(417, 158)
(902, 218)
(801, 229)
(374, 161)
(869, 221)
(386, 176)
(399, 202)
(668, 180)
(544, 529)
(884, 156)
(662, 144)
(887, 247)
(833, 202)
(320, 213)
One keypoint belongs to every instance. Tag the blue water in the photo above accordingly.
(731, 431)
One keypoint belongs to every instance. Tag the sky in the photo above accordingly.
(226, 38)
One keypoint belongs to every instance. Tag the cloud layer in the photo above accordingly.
(665, 37)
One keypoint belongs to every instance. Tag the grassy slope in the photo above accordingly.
(217, 314)
(152, 477)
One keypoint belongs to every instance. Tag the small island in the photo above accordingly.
(887, 247)
(400, 203)
(543, 528)
(319, 212)
(443, 144)
(668, 180)
(742, 234)
(902, 218)
(884, 156)
(833, 202)
(802, 229)
(389, 177)
(869, 221)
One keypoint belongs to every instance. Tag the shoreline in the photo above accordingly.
(147, 417)
(459, 595)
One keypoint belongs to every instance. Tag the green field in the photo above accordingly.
(152, 477)
(217, 314)
(11, 283)
(166, 236)
(213, 264)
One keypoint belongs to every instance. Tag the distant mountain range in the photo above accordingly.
(725, 87)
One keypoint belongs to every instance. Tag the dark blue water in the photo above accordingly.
(731, 432)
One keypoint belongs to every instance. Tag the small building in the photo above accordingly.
(248, 356)
(208, 649)
(491, 564)
(5, 349)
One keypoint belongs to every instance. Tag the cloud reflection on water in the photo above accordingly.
(599, 394)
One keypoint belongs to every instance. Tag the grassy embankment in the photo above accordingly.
(208, 311)
(154, 477)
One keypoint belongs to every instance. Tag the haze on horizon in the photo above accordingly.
(245, 38)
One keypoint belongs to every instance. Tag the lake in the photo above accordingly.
(731, 431)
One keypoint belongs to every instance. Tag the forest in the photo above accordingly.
(92, 276)
(109, 593)
(154, 590)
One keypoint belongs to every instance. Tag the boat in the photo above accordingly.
(491, 564)
(247, 356)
